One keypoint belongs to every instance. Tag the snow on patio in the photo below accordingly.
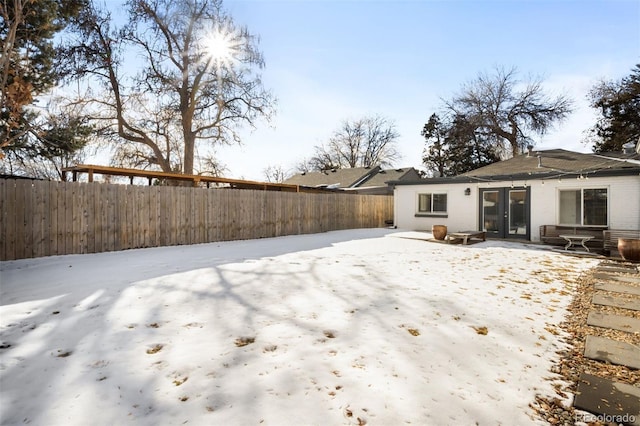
(361, 326)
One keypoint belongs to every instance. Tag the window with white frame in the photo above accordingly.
(584, 207)
(433, 203)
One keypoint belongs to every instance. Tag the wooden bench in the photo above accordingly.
(550, 234)
(465, 236)
(611, 236)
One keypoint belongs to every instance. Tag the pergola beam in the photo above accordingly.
(196, 179)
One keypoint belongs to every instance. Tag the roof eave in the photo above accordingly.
(631, 171)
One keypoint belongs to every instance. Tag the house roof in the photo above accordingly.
(558, 161)
(383, 176)
(337, 178)
(357, 177)
(547, 164)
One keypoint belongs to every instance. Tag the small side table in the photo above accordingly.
(572, 239)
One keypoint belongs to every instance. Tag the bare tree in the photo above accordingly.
(275, 174)
(196, 83)
(509, 108)
(366, 142)
(305, 166)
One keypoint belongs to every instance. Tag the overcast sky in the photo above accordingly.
(327, 61)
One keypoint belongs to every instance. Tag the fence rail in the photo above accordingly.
(40, 218)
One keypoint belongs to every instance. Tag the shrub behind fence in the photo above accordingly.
(42, 218)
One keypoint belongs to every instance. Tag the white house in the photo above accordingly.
(513, 198)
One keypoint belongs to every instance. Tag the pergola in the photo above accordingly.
(196, 179)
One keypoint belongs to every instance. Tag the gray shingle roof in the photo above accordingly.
(384, 176)
(545, 165)
(556, 161)
(342, 178)
(353, 178)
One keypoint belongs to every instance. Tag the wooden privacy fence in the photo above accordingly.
(41, 218)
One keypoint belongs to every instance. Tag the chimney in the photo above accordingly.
(629, 148)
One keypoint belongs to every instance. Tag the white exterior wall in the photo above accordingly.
(462, 210)
(623, 197)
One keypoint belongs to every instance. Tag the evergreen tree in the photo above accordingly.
(28, 69)
(619, 107)
(436, 153)
(456, 146)
(469, 146)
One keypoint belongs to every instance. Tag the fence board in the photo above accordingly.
(8, 225)
(62, 231)
(184, 219)
(93, 216)
(88, 213)
(73, 236)
(110, 213)
(167, 224)
(201, 232)
(55, 218)
(36, 220)
(153, 217)
(23, 204)
(120, 212)
(134, 218)
(14, 223)
(143, 216)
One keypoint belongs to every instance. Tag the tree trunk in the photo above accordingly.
(189, 152)
(513, 138)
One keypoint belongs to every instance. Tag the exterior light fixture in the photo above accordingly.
(467, 191)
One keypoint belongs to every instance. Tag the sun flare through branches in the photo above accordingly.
(221, 47)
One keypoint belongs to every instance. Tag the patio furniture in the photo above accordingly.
(465, 236)
(572, 239)
(550, 234)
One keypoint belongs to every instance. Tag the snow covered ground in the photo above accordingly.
(363, 326)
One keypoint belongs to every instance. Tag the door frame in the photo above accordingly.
(503, 213)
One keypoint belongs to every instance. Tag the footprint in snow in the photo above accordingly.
(155, 349)
(63, 353)
(270, 348)
(244, 341)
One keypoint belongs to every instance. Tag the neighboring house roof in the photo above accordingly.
(358, 177)
(548, 164)
(383, 176)
(336, 178)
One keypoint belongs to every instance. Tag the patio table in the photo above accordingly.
(572, 239)
(465, 236)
